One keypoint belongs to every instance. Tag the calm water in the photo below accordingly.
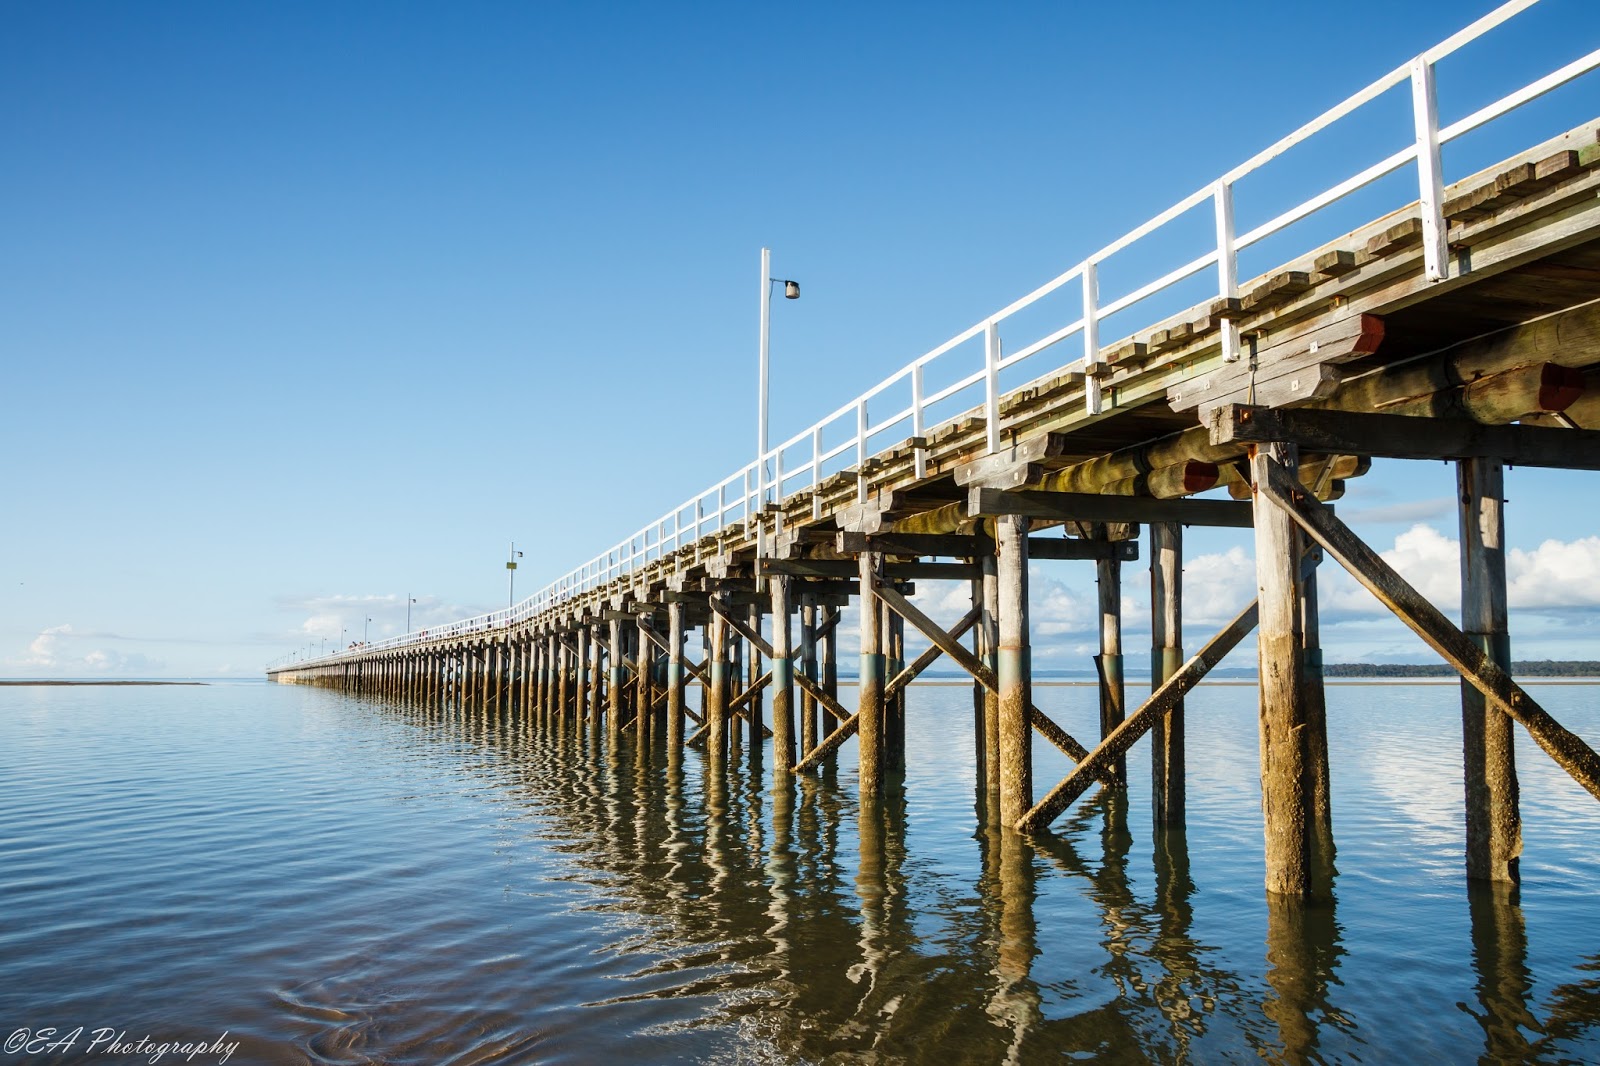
(330, 880)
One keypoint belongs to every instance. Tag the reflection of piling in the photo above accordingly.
(1500, 963)
(1302, 955)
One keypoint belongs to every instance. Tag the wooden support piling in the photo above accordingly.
(989, 641)
(675, 685)
(717, 695)
(1013, 668)
(894, 709)
(1166, 656)
(1315, 730)
(1113, 691)
(643, 658)
(782, 680)
(980, 765)
(808, 669)
(1494, 820)
(870, 730)
(616, 683)
(1286, 791)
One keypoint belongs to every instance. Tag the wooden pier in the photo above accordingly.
(1462, 327)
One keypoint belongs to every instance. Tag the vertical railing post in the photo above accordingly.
(1092, 400)
(1227, 266)
(745, 489)
(917, 426)
(991, 382)
(778, 476)
(861, 451)
(1430, 172)
(816, 473)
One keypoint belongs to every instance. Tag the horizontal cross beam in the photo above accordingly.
(1092, 507)
(841, 568)
(1407, 436)
(973, 547)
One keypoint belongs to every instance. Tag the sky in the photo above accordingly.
(310, 310)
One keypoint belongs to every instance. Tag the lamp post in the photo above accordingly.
(366, 628)
(410, 599)
(511, 576)
(791, 291)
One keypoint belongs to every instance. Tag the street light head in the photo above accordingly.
(791, 290)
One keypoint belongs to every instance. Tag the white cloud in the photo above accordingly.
(1555, 574)
(1055, 610)
(1217, 586)
(53, 653)
(46, 647)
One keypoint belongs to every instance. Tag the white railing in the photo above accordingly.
(739, 498)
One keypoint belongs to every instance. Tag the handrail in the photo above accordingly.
(738, 499)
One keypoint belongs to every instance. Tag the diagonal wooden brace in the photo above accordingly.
(661, 642)
(947, 643)
(751, 692)
(829, 744)
(810, 687)
(1138, 723)
(1426, 621)
(926, 659)
(697, 738)
(824, 628)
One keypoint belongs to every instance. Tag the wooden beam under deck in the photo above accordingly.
(1084, 507)
(1407, 437)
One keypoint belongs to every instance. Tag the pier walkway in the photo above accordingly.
(1463, 325)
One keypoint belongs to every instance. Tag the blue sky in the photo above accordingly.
(311, 307)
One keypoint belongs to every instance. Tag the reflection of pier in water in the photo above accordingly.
(797, 921)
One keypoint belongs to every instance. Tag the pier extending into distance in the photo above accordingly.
(1462, 326)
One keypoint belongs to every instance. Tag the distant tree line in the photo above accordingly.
(1534, 668)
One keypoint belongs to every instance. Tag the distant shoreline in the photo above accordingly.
(16, 684)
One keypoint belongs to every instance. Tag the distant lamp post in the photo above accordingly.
(366, 629)
(791, 291)
(511, 576)
(343, 632)
(410, 599)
